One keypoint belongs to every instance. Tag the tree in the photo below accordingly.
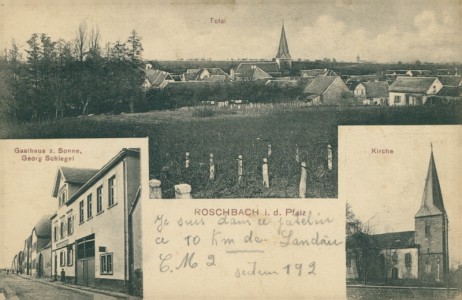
(62, 80)
(94, 47)
(360, 248)
(61, 76)
(135, 50)
(358, 225)
(135, 47)
(12, 93)
(81, 41)
(49, 74)
(34, 55)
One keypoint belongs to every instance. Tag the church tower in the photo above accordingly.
(283, 57)
(431, 231)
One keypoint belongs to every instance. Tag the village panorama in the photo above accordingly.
(51, 79)
(235, 128)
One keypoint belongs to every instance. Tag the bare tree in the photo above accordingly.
(94, 48)
(81, 41)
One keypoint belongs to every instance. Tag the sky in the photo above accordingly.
(386, 190)
(382, 31)
(26, 186)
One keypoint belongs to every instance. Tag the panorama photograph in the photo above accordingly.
(239, 99)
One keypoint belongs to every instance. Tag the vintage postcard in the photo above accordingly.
(240, 104)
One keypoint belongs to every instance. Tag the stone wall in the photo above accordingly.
(387, 292)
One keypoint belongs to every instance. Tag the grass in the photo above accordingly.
(228, 133)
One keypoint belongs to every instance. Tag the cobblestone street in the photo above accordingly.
(16, 287)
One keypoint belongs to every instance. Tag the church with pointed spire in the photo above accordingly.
(431, 230)
(283, 57)
(280, 65)
(418, 257)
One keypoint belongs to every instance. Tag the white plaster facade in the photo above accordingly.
(414, 98)
(404, 261)
(93, 223)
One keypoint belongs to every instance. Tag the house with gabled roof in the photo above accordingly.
(447, 94)
(419, 73)
(250, 72)
(93, 228)
(328, 90)
(156, 79)
(450, 80)
(41, 248)
(405, 91)
(417, 257)
(372, 93)
(206, 74)
(188, 76)
(361, 78)
(391, 75)
(25, 267)
(312, 73)
(264, 70)
(286, 83)
(453, 71)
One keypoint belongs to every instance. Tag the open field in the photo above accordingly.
(229, 133)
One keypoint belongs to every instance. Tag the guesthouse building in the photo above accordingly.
(93, 228)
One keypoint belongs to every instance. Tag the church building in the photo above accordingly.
(418, 257)
(265, 70)
(283, 57)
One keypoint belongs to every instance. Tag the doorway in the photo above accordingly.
(40, 266)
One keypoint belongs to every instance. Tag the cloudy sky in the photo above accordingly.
(386, 190)
(384, 31)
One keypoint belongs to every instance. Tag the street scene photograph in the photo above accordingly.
(79, 234)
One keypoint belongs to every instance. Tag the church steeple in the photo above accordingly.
(431, 230)
(283, 57)
(283, 50)
(432, 200)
